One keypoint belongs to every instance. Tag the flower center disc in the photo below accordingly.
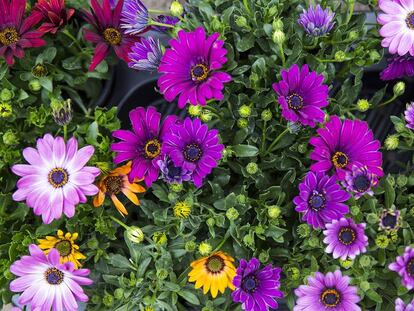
(112, 36)
(389, 221)
(39, 71)
(64, 248)
(410, 267)
(173, 171)
(295, 101)
(199, 72)
(410, 20)
(215, 264)
(58, 177)
(9, 36)
(152, 148)
(362, 183)
(317, 201)
(113, 184)
(192, 152)
(54, 276)
(340, 159)
(347, 236)
(250, 284)
(330, 298)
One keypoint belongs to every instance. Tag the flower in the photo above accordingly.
(190, 72)
(39, 70)
(135, 234)
(171, 173)
(342, 145)
(6, 110)
(409, 116)
(327, 292)
(404, 266)
(316, 21)
(382, 241)
(182, 209)
(193, 147)
(135, 18)
(143, 145)
(363, 105)
(56, 178)
(320, 200)
(359, 181)
(345, 238)
(390, 220)
(53, 14)
(113, 183)
(146, 55)
(398, 67)
(46, 283)
(107, 33)
(301, 95)
(214, 273)
(205, 248)
(256, 288)
(65, 245)
(16, 32)
(397, 29)
(401, 306)
(61, 111)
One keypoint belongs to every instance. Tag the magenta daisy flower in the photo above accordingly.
(398, 67)
(401, 306)
(342, 145)
(397, 29)
(390, 220)
(107, 33)
(409, 116)
(143, 144)
(16, 32)
(360, 181)
(46, 284)
(256, 289)
(301, 95)
(344, 238)
(404, 266)
(146, 55)
(192, 146)
(189, 69)
(320, 200)
(56, 178)
(317, 21)
(327, 292)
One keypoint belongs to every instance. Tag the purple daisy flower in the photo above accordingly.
(171, 173)
(342, 145)
(316, 21)
(189, 68)
(56, 178)
(409, 116)
(345, 238)
(134, 18)
(327, 292)
(404, 266)
(46, 284)
(401, 306)
(165, 19)
(398, 67)
(256, 289)
(143, 145)
(320, 200)
(193, 147)
(359, 181)
(301, 95)
(390, 220)
(146, 55)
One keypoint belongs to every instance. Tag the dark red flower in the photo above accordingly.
(108, 32)
(53, 14)
(16, 32)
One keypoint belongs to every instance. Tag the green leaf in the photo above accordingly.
(389, 194)
(189, 296)
(46, 83)
(119, 261)
(373, 295)
(244, 151)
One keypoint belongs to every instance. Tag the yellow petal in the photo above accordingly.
(130, 195)
(98, 199)
(134, 187)
(119, 206)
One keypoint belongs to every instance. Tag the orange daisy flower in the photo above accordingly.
(113, 183)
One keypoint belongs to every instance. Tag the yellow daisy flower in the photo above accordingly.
(214, 273)
(65, 244)
(182, 209)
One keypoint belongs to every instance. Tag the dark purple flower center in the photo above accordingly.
(362, 183)
(64, 247)
(9, 36)
(199, 72)
(340, 159)
(173, 171)
(215, 264)
(192, 152)
(410, 20)
(54, 276)
(58, 177)
(347, 236)
(295, 101)
(317, 201)
(152, 148)
(112, 36)
(389, 221)
(330, 297)
(250, 284)
(410, 267)
(113, 184)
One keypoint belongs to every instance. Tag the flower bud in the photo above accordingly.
(5, 110)
(399, 88)
(190, 246)
(259, 230)
(365, 286)
(340, 56)
(205, 248)
(245, 111)
(241, 199)
(266, 115)
(313, 241)
(176, 9)
(372, 218)
(347, 263)
(135, 234)
(402, 180)
(278, 37)
(119, 293)
(182, 209)
(400, 127)
(162, 274)
(10, 138)
(273, 211)
(160, 238)
(232, 213)
(34, 85)
(363, 105)
(96, 299)
(365, 261)
(277, 24)
(61, 111)
(352, 35)
(252, 168)
(355, 210)
(176, 187)
(293, 273)
(242, 123)
(382, 241)
(211, 222)
(374, 56)
(248, 240)
(194, 110)
(206, 115)
(6, 95)
(241, 21)
(391, 180)
(391, 142)
(302, 148)
(264, 256)
(108, 300)
(39, 71)
(303, 231)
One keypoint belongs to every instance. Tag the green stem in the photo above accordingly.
(332, 60)
(276, 141)
(282, 55)
(119, 222)
(65, 132)
(247, 7)
(388, 101)
(351, 4)
(70, 36)
(226, 236)
(154, 23)
(263, 136)
(158, 12)
(211, 109)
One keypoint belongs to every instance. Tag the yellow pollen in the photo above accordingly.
(112, 36)
(340, 159)
(199, 72)
(152, 148)
(9, 36)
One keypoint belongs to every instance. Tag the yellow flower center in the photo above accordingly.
(152, 148)
(330, 298)
(64, 248)
(112, 36)
(340, 159)
(9, 36)
(113, 184)
(58, 177)
(199, 72)
(215, 264)
(53, 276)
